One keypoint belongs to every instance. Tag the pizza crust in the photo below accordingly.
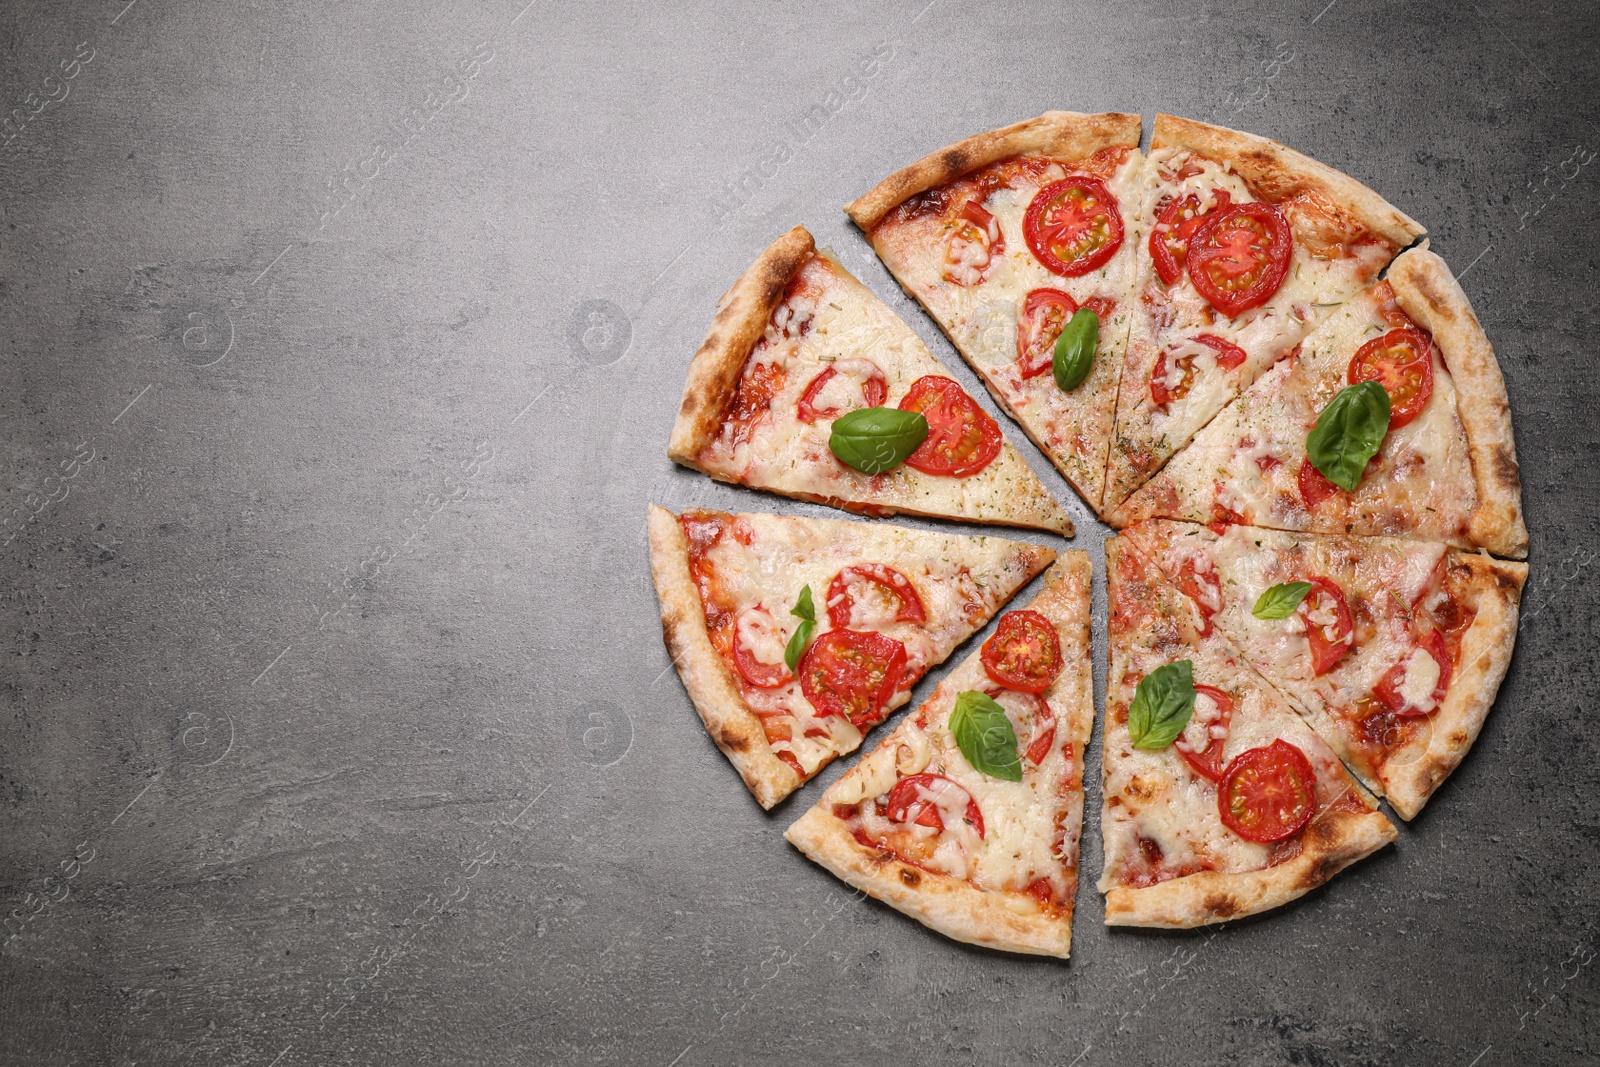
(1330, 844)
(1064, 135)
(1431, 296)
(742, 316)
(730, 722)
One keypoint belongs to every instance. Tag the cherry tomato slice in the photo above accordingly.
(1402, 362)
(1045, 313)
(1208, 761)
(1229, 357)
(873, 390)
(1102, 306)
(1326, 650)
(1268, 793)
(1043, 732)
(962, 438)
(1169, 241)
(910, 801)
(891, 581)
(1024, 652)
(1314, 488)
(852, 674)
(1205, 589)
(975, 243)
(1073, 226)
(1240, 255)
(757, 673)
(1388, 688)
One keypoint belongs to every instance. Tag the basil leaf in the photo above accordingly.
(985, 736)
(802, 635)
(1162, 705)
(1280, 601)
(1075, 349)
(1348, 433)
(873, 440)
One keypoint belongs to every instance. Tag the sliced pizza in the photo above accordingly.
(808, 385)
(967, 816)
(1219, 801)
(1445, 468)
(1004, 238)
(794, 637)
(1249, 244)
(1392, 648)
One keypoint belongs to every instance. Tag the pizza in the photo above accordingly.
(794, 637)
(967, 816)
(1219, 800)
(1393, 649)
(1447, 467)
(799, 351)
(1004, 237)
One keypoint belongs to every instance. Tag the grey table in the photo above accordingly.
(341, 347)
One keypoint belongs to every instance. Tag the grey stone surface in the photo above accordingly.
(341, 347)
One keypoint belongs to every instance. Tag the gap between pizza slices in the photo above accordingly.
(988, 856)
(798, 343)
(886, 603)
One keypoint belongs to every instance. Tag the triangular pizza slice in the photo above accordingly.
(1249, 244)
(1219, 801)
(796, 636)
(1446, 469)
(1003, 237)
(799, 345)
(1393, 648)
(967, 816)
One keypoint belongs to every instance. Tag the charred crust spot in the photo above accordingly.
(732, 740)
(1318, 873)
(1505, 466)
(910, 877)
(1222, 905)
(1457, 739)
(955, 163)
(1505, 582)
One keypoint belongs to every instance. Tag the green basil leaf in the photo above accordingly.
(1162, 705)
(1348, 433)
(985, 736)
(873, 440)
(802, 635)
(1075, 349)
(1280, 601)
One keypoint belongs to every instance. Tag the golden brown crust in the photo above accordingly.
(1493, 588)
(742, 315)
(730, 722)
(1064, 135)
(1430, 295)
(1336, 840)
(1277, 173)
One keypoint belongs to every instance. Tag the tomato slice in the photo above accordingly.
(1388, 689)
(1229, 357)
(1045, 313)
(874, 388)
(916, 800)
(1208, 761)
(1240, 255)
(891, 581)
(1314, 488)
(962, 438)
(1043, 732)
(1073, 226)
(753, 670)
(1024, 652)
(1402, 362)
(1169, 241)
(1205, 589)
(975, 243)
(1327, 649)
(852, 674)
(1268, 793)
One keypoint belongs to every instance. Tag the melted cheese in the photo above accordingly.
(1421, 677)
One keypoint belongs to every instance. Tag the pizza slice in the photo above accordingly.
(1220, 801)
(1003, 238)
(794, 637)
(1393, 649)
(808, 385)
(1249, 244)
(1446, 469)
(967, 816)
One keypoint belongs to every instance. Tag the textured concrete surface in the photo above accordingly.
(341, 344)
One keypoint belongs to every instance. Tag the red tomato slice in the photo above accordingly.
(975, 243)
(1314, 488)
(1388, 688)
(1102, 306)
(962, 438)
(874, 389)
(1208, 761)
(1326, 651)
(1043, 733)
(759, 674)
(1169, 241)
(1045, 313)
(1024, 652)
(1205, 589)
(1239, 256)
(908, 801)
(1229, 357)
(1073, 226)
(1268, 794)
(886, 578)
(1402, 362)
(852, 674)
